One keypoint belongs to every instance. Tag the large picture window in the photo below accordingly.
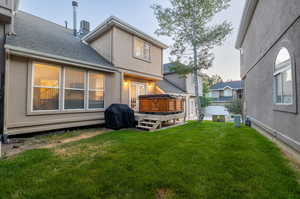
(46, 83)
(63, 89)
(96, 91)
(74, 88)
(283, 78)
(141, 49)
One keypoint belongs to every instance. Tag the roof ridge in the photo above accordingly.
(46, 20)
(174, 85)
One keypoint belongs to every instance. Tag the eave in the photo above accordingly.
(55, 58)
(249, 10)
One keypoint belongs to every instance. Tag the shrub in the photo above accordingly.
(235, 106)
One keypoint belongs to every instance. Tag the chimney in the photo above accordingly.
(75, 5)
(84, 28)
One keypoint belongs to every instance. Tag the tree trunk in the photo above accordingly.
(198, 104)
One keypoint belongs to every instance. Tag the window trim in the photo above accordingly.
(136, 83)
(88, 92)
(144, 42)
(61, 110)
(284, 107)
(64, 88)
(32, 86)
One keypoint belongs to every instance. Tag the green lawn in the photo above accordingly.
(198, 160)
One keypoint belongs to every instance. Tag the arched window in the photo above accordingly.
(283, 78)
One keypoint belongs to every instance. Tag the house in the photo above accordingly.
(56, 77)
(268, 41)
(173, 84)
(224, 93)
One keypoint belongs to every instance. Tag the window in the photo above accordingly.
(283, 79)
(228, 92)
(63, 89)
(74, 88)
(46, 83)
(96, 90)
(141, 49)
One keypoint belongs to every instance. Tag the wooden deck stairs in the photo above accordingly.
(149, 124)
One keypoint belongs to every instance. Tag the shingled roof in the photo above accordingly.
(168, 87)
(232, 84)
(39, 35)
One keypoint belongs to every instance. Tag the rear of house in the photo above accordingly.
(224, 93)
(54, 79)
(268, 41)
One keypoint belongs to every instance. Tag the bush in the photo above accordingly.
(235, 106)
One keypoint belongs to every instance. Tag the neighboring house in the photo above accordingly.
(176, 85)
(268, 41)
(55, 79)
(225, 92)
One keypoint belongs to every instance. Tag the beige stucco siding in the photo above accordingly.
(17, 118)
(123, 55)
(103, 45)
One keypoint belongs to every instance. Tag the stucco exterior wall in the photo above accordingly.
(274, 24)
(103, 45)
(17, 119)
(123, 55)
(270, 20)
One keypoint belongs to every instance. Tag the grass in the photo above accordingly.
(198, 160)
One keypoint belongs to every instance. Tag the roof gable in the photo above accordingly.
(235, 85)
(114, 21)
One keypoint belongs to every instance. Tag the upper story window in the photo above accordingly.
(141, 49)
(46, 84)
(228, 92)
(283, 78)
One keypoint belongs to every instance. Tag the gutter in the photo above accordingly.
(248, 13)
(56, 58)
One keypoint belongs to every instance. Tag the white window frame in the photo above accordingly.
(33, 86)
(61, 89)
(64, 88)
(129, 90)
(143, 50)
(88, 91)
(280, 71)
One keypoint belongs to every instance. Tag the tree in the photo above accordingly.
(209, 81)
(187, 23)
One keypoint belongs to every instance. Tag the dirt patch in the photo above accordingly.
(18, 145)
(164, 194)
(83, 149)
(72, 139)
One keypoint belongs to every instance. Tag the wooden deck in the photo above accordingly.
(153, 121)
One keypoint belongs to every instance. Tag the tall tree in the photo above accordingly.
(188, 23)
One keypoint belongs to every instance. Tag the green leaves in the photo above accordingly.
(188, 23)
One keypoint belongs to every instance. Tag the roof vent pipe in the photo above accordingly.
(75, 5)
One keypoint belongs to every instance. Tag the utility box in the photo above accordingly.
(218, 118)
(237, 121)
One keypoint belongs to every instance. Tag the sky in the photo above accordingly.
(139, 14)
